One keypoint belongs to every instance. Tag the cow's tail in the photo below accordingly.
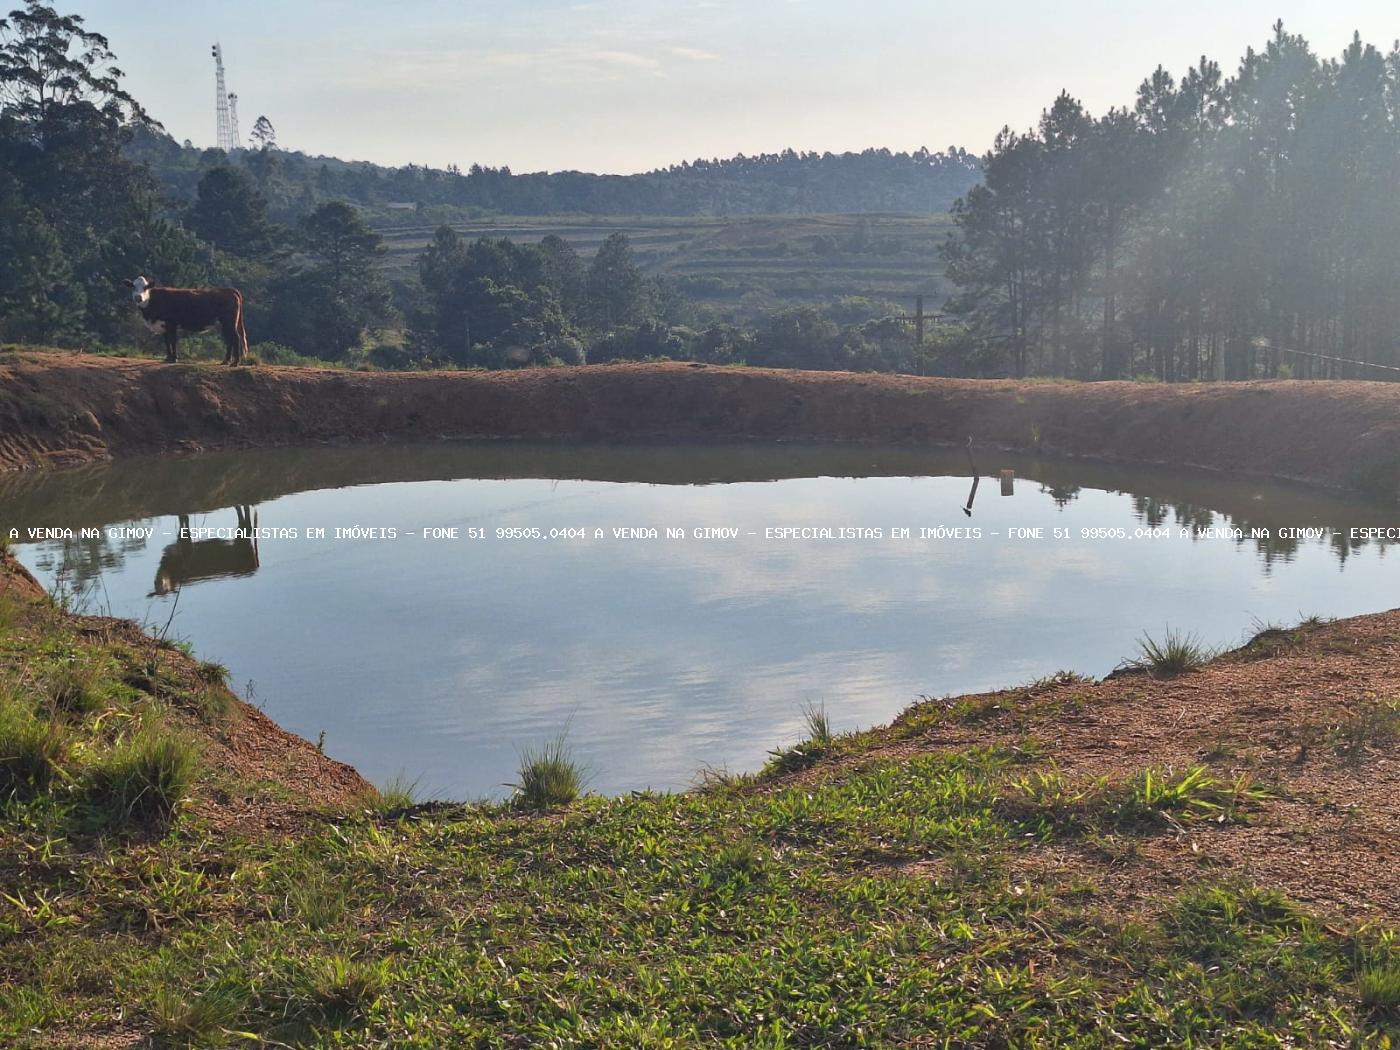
(240, 333)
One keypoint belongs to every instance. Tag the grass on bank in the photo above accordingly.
(1176, 654)
(870, 902)
(549, 776)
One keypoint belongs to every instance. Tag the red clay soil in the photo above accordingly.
(65, 408)
(1305, 718)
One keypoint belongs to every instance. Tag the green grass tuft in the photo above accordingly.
(212, 672)
(818, 724)
(1375, 729)
(1176, 654)
(75, 690)
(31, 749)
(143, 779)
(1379, 989)
(549, 777)
(340, 987)
(200, 1020)
(398, 793)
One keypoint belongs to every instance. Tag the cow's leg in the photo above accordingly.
(230, 339)
(172, 339)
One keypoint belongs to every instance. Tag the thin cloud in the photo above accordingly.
(694, 54)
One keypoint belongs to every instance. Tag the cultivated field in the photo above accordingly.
(750, 262)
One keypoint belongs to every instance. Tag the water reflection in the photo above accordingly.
(441, 660)
(190, 560)
(141, 490)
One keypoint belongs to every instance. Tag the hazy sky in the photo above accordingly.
(626, 85)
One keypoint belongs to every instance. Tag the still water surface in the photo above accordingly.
(440, 660)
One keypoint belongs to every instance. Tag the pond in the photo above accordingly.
(438, 656)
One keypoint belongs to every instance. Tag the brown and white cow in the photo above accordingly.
(167, 311)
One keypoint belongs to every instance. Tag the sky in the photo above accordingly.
(629, 85)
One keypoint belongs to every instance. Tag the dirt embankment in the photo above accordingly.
(244, 747)
(67, 408)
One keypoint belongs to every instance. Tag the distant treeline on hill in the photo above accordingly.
(874, 180)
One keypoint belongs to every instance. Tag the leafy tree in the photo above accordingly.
(564, 272)
(489, 296)
(264, 135)
(616, 289)
(799, 338)
(39, 300)
(231, 213)
(50, 64)
(335, 291)
(64, 121)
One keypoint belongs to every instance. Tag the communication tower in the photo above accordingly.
(225, 107)
(233, 120)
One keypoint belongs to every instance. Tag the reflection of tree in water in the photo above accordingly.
(1344, 545)
(1062, 494)
(79, 560)
(1154, 513)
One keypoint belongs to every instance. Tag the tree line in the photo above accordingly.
(1220, 227)
(789, 182)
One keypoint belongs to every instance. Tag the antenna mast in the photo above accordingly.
(225, 107)
(233, 120)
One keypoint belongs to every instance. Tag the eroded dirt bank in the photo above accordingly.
(70, 408)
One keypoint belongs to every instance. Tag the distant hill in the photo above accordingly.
(787, 183)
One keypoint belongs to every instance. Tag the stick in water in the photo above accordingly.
(975, 479)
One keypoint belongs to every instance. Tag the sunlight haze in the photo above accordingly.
(624, 86)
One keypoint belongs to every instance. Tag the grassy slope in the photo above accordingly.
(877, 889)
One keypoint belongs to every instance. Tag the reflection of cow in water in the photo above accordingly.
(188, 561)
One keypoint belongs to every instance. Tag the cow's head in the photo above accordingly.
(140, 290)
